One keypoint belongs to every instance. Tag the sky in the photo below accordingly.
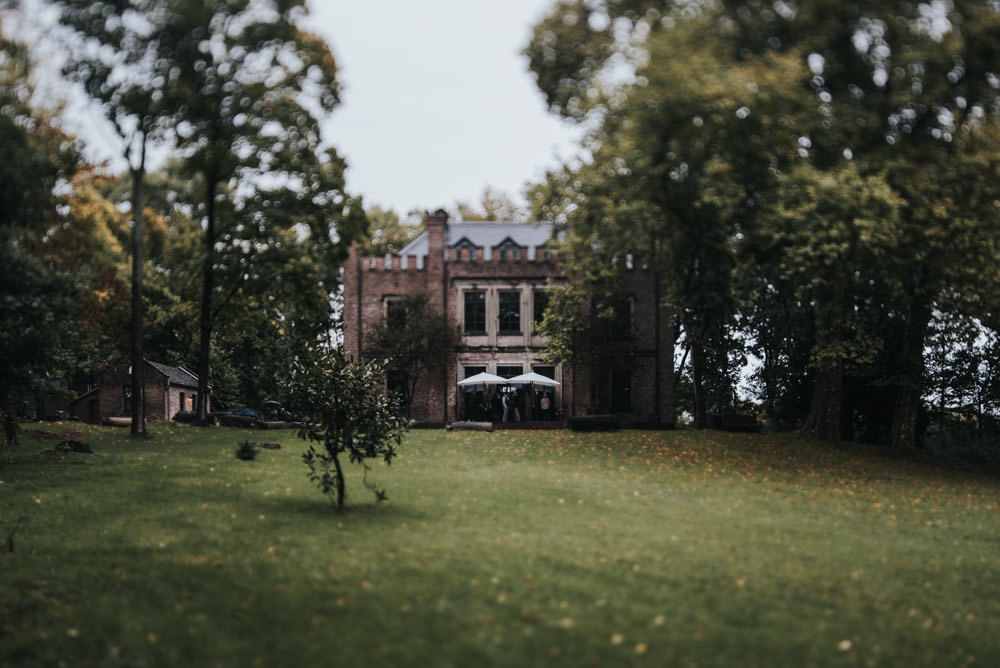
(437, 102)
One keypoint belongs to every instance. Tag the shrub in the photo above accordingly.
(346, 410)
(246, 450)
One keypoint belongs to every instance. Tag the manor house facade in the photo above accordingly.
(491, 279)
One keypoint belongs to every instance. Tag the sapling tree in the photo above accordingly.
(347, 411)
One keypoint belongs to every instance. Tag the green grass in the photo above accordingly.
(507, 548)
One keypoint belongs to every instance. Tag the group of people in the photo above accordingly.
(508, 406)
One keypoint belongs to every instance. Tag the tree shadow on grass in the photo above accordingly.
(317, 508)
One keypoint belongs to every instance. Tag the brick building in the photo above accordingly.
(491, 278)
(169, 390)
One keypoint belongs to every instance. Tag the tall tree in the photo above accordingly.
(825, 225)
(254, 86)
(38, 301)
(712, 143)
(124, 59)
(640, 192)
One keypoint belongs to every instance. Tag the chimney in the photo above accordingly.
(436, 276)
(437, 232)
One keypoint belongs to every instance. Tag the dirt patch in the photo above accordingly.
(73, 446)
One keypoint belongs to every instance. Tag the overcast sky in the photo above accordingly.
(437, 100)
(438, 103)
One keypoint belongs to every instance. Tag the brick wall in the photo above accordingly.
(162, 400)
(446, 274)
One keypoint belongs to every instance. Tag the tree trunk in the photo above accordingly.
(207, 287)
(906, 412)
(904, 418)
(138, 427)
(824, 416)
(697, 368)
(340, 482)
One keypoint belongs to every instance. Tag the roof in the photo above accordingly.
(484, 234)
(177, 375)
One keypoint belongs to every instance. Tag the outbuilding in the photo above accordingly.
(169, 390)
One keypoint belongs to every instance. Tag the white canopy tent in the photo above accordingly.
(483, 379)
(532, 378)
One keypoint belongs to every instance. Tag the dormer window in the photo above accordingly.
(464, 246)
(509, 251)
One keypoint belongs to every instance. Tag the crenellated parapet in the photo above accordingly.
(492, 279)
(462, 255)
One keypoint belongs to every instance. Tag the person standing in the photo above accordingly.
(496, 408)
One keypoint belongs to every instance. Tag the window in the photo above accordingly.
(473, 370)
(395, 313)
(509, 251)
(475, 313)
(541, 298)
(620, 327)
(465, 248)
(621, 391)
(547, 371)
(510, 312)
(397, 381)
(509, 371)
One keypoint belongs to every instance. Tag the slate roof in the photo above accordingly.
(177, 375)
(485, 234)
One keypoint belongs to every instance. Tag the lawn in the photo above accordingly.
(506, 548)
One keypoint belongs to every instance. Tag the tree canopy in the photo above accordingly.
(347, 412)
(251, 203)
(803, 176)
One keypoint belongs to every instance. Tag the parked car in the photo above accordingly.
(272, 415)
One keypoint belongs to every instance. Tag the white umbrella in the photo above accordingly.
(532, 377)
(483, 378)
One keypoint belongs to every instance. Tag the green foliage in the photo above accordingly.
(37, 340)
(388, 233)
(244, 117)
(347, 411)
(834, 236)
(245, 450)
(39, 156)
(812, 183)
(493, 205)
(566, 325)
(415, 340)
(255, 129)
